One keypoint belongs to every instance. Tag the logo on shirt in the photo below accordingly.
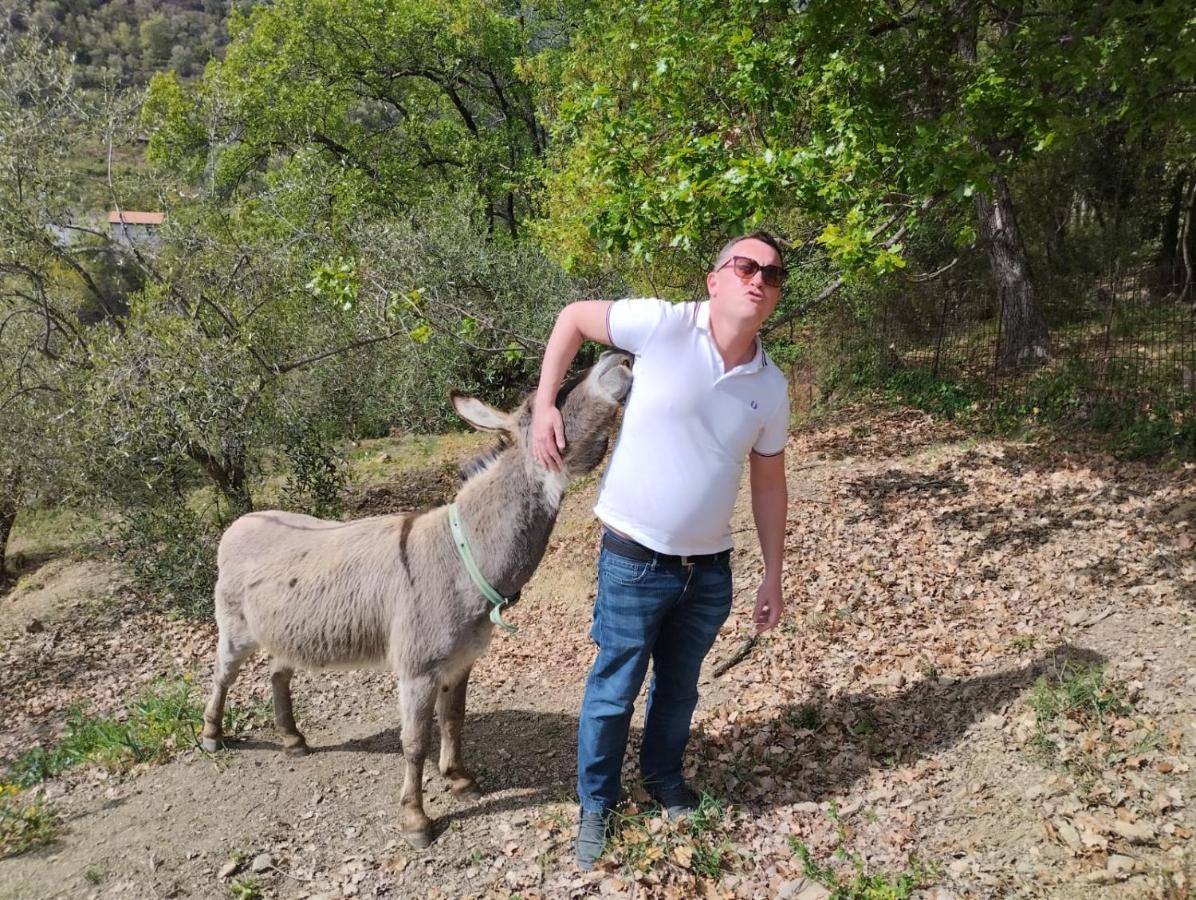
(755, 405)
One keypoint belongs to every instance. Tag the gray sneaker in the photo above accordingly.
(678, 802)
(591, 838)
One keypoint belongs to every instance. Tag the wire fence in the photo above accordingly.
(1122, 337)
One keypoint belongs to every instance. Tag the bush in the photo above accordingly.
(933, 394)
(1133, 419)
(170, 552)
(24, 823)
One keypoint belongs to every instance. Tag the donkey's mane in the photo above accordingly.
(484, 460)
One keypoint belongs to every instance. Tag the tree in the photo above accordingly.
(156, 35)
(403, 98)
(50, 280)
(123, 43)
(30, 403)
(842, 122)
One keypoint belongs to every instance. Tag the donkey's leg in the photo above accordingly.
(450, 709)
(293, 741)
(418, 697)
(231, 651)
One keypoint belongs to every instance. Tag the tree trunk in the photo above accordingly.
(1056, 242)
(1187, 245)
(1170, 263)
(228, 474)
(9, 501)
(1025, 341)
(511, 223)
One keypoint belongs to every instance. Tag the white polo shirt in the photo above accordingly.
(687, 428)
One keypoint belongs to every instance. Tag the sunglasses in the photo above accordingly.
(746, 268)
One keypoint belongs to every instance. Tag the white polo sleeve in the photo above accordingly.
(775, 433)
(630, 323)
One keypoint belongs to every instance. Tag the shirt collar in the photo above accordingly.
(755, 364)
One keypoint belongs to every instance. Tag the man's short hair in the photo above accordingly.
(763, 236)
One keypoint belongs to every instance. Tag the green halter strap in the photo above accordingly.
(497, 600)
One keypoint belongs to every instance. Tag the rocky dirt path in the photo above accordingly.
(943, 593)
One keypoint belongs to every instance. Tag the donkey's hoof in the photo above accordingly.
(420, 840)
(211, 745)
(297, 750)
(470, 790)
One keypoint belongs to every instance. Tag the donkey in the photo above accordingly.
(391, 591)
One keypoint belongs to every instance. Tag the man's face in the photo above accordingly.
(751, 301)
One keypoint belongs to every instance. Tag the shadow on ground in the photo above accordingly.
(819, 748)
(18, 565)
(528, 756)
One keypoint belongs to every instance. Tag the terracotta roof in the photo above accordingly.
(134, 218)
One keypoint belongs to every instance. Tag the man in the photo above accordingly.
(705, 396)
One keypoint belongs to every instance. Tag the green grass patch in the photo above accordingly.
(700, 843)
(1077, 691)
(860, 883)
(40, 532)
(1023, 643)
(1136, 409)
(804, 717)
(382, 458)
(25, 822)
(1081, 693)
(255, 715)
(245, 889)
(951, 399)
(161, 721)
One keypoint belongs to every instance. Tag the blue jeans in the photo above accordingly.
(658, 611)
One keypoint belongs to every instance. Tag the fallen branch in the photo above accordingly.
(737, 657)
(1099, 617)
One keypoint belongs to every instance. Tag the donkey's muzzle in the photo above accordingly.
(613, 373)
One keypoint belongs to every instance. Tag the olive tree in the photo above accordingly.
(55, 274)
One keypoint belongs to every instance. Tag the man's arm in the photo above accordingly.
(577, 322)
(770, 502)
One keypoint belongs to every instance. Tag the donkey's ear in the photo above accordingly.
(481, 415)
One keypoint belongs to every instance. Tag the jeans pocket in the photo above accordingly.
(626, 571)
(621, 570)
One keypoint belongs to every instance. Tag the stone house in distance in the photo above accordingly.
(132, 228)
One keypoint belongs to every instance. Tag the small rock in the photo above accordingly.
(1134, 832)
(1068, 832)
(802, 889)
(35, 627)
(261, 863)
(229, 868)
(1119, 865)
